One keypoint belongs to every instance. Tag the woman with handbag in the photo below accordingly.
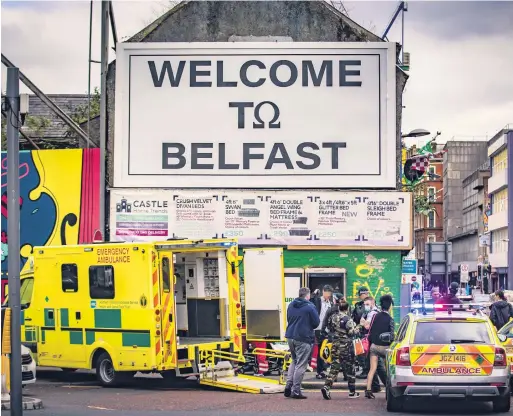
(381, 335)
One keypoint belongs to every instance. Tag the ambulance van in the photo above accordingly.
(170, 307)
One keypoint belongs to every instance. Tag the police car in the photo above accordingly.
(454, 353)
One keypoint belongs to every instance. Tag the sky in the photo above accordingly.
(461, 54)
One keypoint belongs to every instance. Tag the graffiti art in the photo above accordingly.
(59, 200)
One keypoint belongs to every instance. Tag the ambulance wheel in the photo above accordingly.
(502, 404)
(394, 404)
(107, 376)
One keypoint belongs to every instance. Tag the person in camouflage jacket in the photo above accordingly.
(343, 329)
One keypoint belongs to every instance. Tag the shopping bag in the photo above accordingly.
(366, 344)
(358, 347)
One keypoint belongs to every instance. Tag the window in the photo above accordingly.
(500, 241)
(101, 282)
(500, 201)
(432, 171)
(166, 275)
(451, 333)
(27, 286)
(431, 194)
(500, 162)
(431, 219)
(69, 276)
(431, 238)
(401, 333)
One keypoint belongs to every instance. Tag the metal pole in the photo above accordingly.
(509, 281)
(103, 107)
(402, 35)
(89, 74)
(13, 231)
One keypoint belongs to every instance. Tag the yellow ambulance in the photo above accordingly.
(171, 307)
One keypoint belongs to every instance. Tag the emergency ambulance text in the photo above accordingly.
(113, 255)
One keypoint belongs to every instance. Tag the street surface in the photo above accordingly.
(77, 394)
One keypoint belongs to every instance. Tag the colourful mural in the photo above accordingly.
(59, 200)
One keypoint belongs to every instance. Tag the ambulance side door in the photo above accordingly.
(168, 311)
(264, 291)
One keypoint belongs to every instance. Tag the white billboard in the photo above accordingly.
(258, 115)
(317, 218)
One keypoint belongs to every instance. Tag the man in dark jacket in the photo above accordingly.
(302, 319)
(450, 298)
(501, 311)
(323, 305)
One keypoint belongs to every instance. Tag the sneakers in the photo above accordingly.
(298, 396)
(309, 369)
(326, 393)
(354, 395)
(287, 392)
(320, 376)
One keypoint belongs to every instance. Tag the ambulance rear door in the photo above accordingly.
(264, 288)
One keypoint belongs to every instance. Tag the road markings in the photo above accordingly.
(74, 386)
(99, 408)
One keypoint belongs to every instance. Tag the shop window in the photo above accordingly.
(69, 277)
(101, 282)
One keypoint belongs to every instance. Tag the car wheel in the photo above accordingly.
(107, 375)
(502, 404)
(394, 404)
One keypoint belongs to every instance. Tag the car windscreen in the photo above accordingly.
(451, 332)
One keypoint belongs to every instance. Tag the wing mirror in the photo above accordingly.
(502, 337)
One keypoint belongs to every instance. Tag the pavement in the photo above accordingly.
(78, 394)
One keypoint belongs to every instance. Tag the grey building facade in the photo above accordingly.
(462, 197)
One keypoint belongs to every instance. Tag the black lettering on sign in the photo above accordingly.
(247, 155)
(244, 74)
(316, 160)
(210, 156)
(254, 73)
(343, 73)
(174, 80)
(195, 73)
(309, 72)
(273, 124)
(167, 154)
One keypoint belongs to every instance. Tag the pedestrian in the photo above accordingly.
(323, 304)
(357, 315)
(302, 319)
(381, 335)
(371, 310)
(451, 297)
(316, 294)
(501, 310)
(343, 329)
(337, 298)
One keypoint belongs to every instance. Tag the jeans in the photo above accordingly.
(300, 353)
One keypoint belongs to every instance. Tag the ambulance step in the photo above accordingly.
(223, 376)
(247, 384)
